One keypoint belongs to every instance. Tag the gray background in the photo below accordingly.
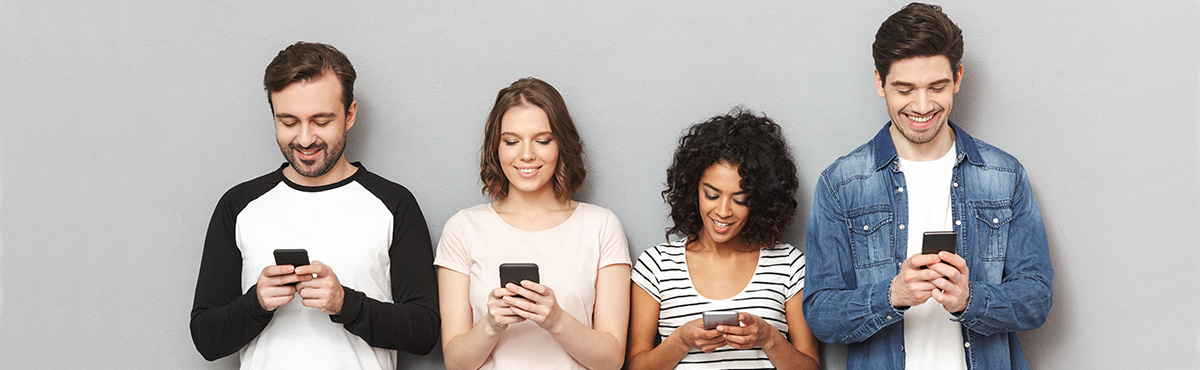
(122, 124)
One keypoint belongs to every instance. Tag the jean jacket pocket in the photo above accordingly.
(992, 218)
(870, 235)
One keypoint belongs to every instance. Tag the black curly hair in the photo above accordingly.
(756, 146)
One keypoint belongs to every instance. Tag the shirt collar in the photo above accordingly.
(885, 149)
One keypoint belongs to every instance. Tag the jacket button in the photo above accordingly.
(900, 189)
(995, 220)
(889, 317)
(967, 344)
(955, 184)
(865, 227)
(958, 222)
(901, 226)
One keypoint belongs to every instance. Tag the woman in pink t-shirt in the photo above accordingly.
(531, 164)
(731, 188)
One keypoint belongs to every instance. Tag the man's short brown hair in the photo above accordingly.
(917, 30)
(570, 171)
(307, 61)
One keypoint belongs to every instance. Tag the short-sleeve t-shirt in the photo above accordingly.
(662, 272)
(475, 241)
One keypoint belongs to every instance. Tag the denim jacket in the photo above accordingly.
(857, 240)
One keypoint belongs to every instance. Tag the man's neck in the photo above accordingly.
(929, 151)
(342, 169)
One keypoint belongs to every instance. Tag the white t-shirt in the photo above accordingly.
(475, 241)
(662, 272)
(931, 340)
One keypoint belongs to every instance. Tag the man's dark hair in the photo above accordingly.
(307, 61)
(917, 30)
(756, 146)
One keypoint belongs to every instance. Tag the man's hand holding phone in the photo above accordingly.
(954, 290)
(276, 286)
(319, 288)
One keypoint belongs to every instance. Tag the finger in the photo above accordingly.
(918, 260)
(522, 291)
(499, 293)
(539, 288)
(708, 334)
(954, 260)
(315, 268)
(733, 330)
(277, 270)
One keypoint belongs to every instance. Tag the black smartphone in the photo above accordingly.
(937, 241)
(713, 318)
(294, 257)
(517, 272)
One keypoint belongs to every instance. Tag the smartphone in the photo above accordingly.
(937, 241)
(294, 257)
(516, 272)
(714, 318)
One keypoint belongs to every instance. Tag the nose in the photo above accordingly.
(307, 135)
(527, 153)
(724, 207)
(922, 104)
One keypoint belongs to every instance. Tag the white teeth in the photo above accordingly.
(308, 153)
(527, 170)
(920, 119)
(721, 224)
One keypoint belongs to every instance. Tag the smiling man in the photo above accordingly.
(383, 296)
(869, 283)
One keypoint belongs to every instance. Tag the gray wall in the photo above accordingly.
(122, 124)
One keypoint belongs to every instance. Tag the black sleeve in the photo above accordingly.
(411, 324)
(224, 319)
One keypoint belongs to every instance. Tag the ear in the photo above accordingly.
(351, 113)
(958, 78)
(879, 84)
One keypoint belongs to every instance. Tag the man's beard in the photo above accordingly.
(319, 166)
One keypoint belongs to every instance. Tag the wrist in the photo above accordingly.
(773, 340)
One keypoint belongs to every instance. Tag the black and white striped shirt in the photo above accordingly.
(663, 273)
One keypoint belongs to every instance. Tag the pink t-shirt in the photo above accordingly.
(475, 241)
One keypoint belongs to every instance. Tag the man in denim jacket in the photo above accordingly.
(868, 284)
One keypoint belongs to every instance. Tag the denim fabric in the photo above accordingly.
(857, 239)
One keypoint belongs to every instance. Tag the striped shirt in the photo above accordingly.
(662, 272)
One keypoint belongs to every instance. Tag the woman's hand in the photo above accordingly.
(536, 303)
(694, 336)
(500, 313)
(754, 332)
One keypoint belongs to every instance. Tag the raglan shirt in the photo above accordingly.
(368, 230)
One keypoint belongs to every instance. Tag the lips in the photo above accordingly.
(528, 172)
(722, 227)
(919, 122)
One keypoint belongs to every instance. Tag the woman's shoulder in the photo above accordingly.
(471, 215)
(782, 249)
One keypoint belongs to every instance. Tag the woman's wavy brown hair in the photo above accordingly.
(570, 171)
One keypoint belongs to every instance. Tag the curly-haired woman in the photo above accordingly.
(531, 163)
(731, 188)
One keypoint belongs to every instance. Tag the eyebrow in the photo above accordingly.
(318, 115)
(910, 84)
(537, 134)
(714, 188)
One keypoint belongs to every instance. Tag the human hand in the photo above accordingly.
(323, 292)
(754, 332)
(693, 335)
(500, 313)
(272, 289)
(537, 303)
(913, 285)
(954, 291)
